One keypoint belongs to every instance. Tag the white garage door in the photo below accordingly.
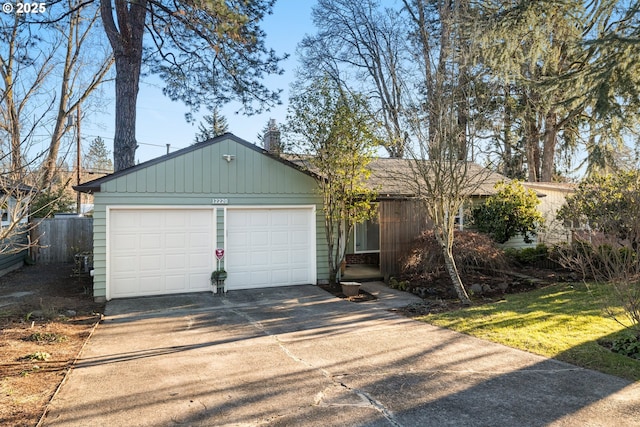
(159, 251)
(270, 247)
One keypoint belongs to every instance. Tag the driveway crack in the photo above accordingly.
(364, 399)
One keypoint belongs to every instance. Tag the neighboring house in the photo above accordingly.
(552, 197)
(157, 224)
(14, 212)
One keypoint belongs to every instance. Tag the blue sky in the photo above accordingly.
(161, 121)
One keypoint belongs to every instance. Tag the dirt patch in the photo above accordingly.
(46, 315)
(439, 296)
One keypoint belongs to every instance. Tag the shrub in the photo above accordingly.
(512, 211)
(471, 251)
(529, 256)
(616, 267)
(627, 345)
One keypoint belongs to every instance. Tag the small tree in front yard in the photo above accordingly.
(510, 212)
(332, 131)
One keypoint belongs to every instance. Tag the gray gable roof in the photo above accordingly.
(94, 185)
(394, 178)
(397, 178)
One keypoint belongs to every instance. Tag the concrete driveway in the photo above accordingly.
(299, 356)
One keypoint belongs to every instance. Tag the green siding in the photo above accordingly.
(194, 179)
(99, 249)
(205, 171)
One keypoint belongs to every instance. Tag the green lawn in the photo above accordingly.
(563, 321)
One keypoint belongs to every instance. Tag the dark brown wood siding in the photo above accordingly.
(401, 221)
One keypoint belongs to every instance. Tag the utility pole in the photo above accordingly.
(78, 162)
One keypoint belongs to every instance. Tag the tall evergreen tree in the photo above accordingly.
(98, 157)
(561, 88)
(202, 50)
(212, 125)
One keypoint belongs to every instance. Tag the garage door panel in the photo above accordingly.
(176, 241)
(122, 223)
(262, 278)
(176, 283)
(239, 238)
(197, 280)
(175, 262)
(129, 285)
(150, 241)
(299, 219)
(151, 284)
(123, 265)
(300, 237)
(240, 278)
(260, 238)
(200, 219)
(259, 258)
(236, 259)
(160, 251)
(280, 220)
(280, 276)
(150, 262)
(258, 219)
(238, 219)
(174, 218)
(197, 260)
(280, 238)
(124, 241)
(280, 258)
(134, 220)
(199, 240)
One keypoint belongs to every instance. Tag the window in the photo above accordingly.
(367, 236)
(4, 213)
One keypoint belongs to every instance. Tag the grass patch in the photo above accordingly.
(562, 321)
(45, 337)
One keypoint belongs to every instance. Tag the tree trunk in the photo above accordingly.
(126, 41)
(549, 147)
(124, 141)
(50, 165)
(16, 150)
(450, 265)
(533, 151)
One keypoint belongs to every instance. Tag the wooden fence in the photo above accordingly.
(59, 239)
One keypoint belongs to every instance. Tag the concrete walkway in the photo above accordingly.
(298, 356)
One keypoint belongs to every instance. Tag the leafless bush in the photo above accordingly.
(616, 266)
(471, 251)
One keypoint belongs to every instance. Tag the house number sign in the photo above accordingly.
(220, 201)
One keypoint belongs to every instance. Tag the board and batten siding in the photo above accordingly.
(401, 221)
(196, 179)
(204, 171)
